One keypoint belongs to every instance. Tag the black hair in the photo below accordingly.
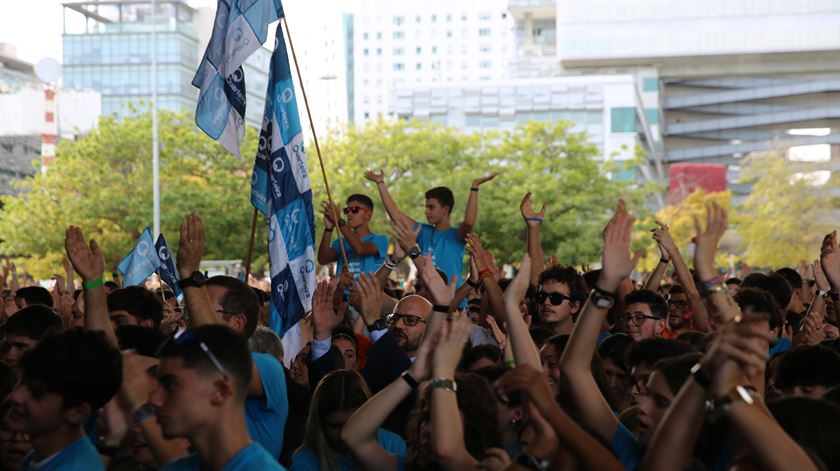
(832, 395)
(35, 295)
(137, 301)
(657, 304)
(239, 298)
(596, 366)
(615, 348)
(8, 379)
(342, 331)
(760, 301)
(775, 284)
(488, 351)
(650, 351)
(144, 340)
(793, 278)
(228, 346)
(733, 281)
(492, 374)
(360, 198)
(675, 370)
(813, 424)
(262, 296)
(591, 277)
(443, 195)
(676, 289)
(539, 335)
(565, 274)
(695, 339)
(812, 365)
(78, 364)
(33, 322)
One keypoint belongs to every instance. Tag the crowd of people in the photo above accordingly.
(681, 369)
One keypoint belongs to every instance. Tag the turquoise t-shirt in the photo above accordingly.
(81, 454)
(358, 264)
(266, 416)
(307, 460)
(446, 248)
(626, 448)
(252, 457)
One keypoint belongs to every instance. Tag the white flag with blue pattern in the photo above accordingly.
(240, 28)
(281, 190)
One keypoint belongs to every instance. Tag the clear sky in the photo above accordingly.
(34, 26)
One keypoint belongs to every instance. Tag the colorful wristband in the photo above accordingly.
(510, 362)
(93, 283)
(539, 220)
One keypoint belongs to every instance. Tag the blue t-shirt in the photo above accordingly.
(358, 264)
(626, 447)
(446, 248)
(249, 458)
(307, 460)
(78, 455)
(782, 345)
(266, 416)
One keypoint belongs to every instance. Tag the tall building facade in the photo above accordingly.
(733, 77)
(107, 47)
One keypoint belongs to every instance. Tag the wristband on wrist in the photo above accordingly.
(474, 189)
(473, 284)
(664, 260)
(412, 383)
(485, 273)
(711, 282)
(328, 229)
(539, 220)
(390, 263)
(510, 362)
(719, 288)
(93, 283)
(700, 376)
(445, 384)
(440, 308)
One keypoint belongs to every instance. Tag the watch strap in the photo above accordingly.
(445, 384)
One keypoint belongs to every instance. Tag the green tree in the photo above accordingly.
(556, 164)
(103, 183)
(784, 217)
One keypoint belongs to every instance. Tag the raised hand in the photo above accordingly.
(421, 369)
(448, 352)
(191, 248)
(515, 292)
(662, 236)
(830, 259)
(616, 262)
(405, 234)
(740, 348)
(370, 297)
(399, 252)
(531, 382)
(86, 258)
(819, 276)
(441, 292)
(329, 217)
(324, 317)
(532, 218)
(479, 181)
(811, 332)
(375, 177)
(708, 239)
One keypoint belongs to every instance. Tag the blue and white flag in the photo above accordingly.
(280, 189)
(168, 270)
(240, 28)
(141, 262)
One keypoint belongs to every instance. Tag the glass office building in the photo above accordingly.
(107, 47)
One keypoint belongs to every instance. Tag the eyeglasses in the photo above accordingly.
(640, 383)
(639, 319)
(354, 209)
(555, 299)
(679, 304)
(185, 336)
(408, 319)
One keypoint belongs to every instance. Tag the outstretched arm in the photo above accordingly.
(88, 261)
(471, 213)
(387, 200)
(327, 254)
(698, 309)
(190, 252)
(655, 279)
(704, 262)
(575, 364)
(533, 221)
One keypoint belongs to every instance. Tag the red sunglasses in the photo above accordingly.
(354, 209)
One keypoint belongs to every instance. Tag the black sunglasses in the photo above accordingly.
(555, 299)
(185, 336)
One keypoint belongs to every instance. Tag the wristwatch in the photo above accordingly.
(530, 461)
(719, 407)
(378, 325)
(195, 280)
(601, 298)
(414, 252)
(445, 384)
(700, 376)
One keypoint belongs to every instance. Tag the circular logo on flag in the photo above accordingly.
(143, 248)
(254, 177)
(163, 253)
(310, 265)
(272, 232)
(287, 95)
(237, 35)
(219, 94)
(278, 165)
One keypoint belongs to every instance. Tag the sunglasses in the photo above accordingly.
(408, 319)
(555, 299)
(185, 336)
(353, 209)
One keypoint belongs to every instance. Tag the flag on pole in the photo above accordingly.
(168, 271)
(281, 190)
(240, 28)
(141, 262)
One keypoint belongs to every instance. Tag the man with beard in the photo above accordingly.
(679, 314)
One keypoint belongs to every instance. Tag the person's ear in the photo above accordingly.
(147, 323)
(575, 305)
(659, 327)
(76, 415)
(223, 390)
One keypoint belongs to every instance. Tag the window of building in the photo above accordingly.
(365, 36)
(484, 32)
(484, 17)
(484, 64)
(398, 51)
(417, 19)
(378, 51)
(623, 119)
(464, 17)
(448, 17)
(365, 51)
(434, 18)
(418, 49)
(449, 34)
(434, 49)
(399, 66)
(399, 20)
(399, 35)
(650, 84)
(379, 35)
(418, 66)
(484, 48)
